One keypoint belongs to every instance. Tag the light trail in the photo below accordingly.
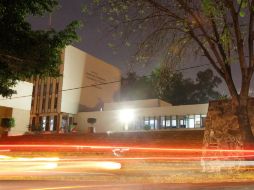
(85, 186)
(125, 148)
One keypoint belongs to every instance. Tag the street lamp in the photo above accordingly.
(126, 116)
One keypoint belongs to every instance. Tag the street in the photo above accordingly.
(92, 185)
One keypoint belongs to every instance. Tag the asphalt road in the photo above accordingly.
(93, 185)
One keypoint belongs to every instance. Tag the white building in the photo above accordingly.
(151, 114)
(18, 107)
(87, 84)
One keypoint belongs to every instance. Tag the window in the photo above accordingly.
(182, 121)
(168, 122)
(57, 88)
(152, 123)
(33, 90)
(146, 120)
(50, 88)
(55, 103)
(44, 89)
(43, 104)
(38, 104)
(51, 123)
(203, 117)
(49, 103)
(197, 121)
(39, 90)
(162, 122)
(191, 121)
(174, 121)
(44, 120)
(55, 123)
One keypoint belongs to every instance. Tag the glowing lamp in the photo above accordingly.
(126, 116)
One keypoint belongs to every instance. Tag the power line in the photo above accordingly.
(104, 83)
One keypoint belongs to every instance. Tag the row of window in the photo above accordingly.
(164, 122)
(46, 123)
(49, 123)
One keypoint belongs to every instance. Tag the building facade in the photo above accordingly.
(18, 107)
(144, 115)
(86, 84)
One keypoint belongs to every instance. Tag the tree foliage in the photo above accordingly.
(219, 30)
(172, 87)
(134, 87)
(25, 52)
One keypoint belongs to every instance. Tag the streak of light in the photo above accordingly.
(14, 164)
(186, 158)
(104, 165)
(8, 150)
(80, 147)
(85, 186)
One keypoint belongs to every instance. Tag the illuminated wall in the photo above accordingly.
(18, 107)
(186, 116)
(83, 77)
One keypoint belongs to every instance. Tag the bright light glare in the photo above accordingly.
(126, 115)
(106, 165)
(50, 165)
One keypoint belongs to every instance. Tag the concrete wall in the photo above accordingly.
(101, 81)
(109, 120)
(74, 65)
(84, 70)
(21, 100)
(21, 121)
(18, 107)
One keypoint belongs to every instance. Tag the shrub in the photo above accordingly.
(147, 127)
(7, 122)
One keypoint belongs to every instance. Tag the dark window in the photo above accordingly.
(57, 88)
(43, 104)
(55, 103)
(33, 90)
(47, 123)
(44, 89)
(38, 104)
(50, 88)
(49, 103)
(55, 123)
(39, 90)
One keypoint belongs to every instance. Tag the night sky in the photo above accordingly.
(95, 37)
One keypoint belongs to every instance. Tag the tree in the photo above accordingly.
(171, 87)
(25, 52)
(222, 31)
(174, 88)
(205, 85)
(134, 87)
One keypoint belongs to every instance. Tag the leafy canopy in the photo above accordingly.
(222, 31)
(25, 52)
(172, 87)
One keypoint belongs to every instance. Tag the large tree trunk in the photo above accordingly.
(241, 111)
